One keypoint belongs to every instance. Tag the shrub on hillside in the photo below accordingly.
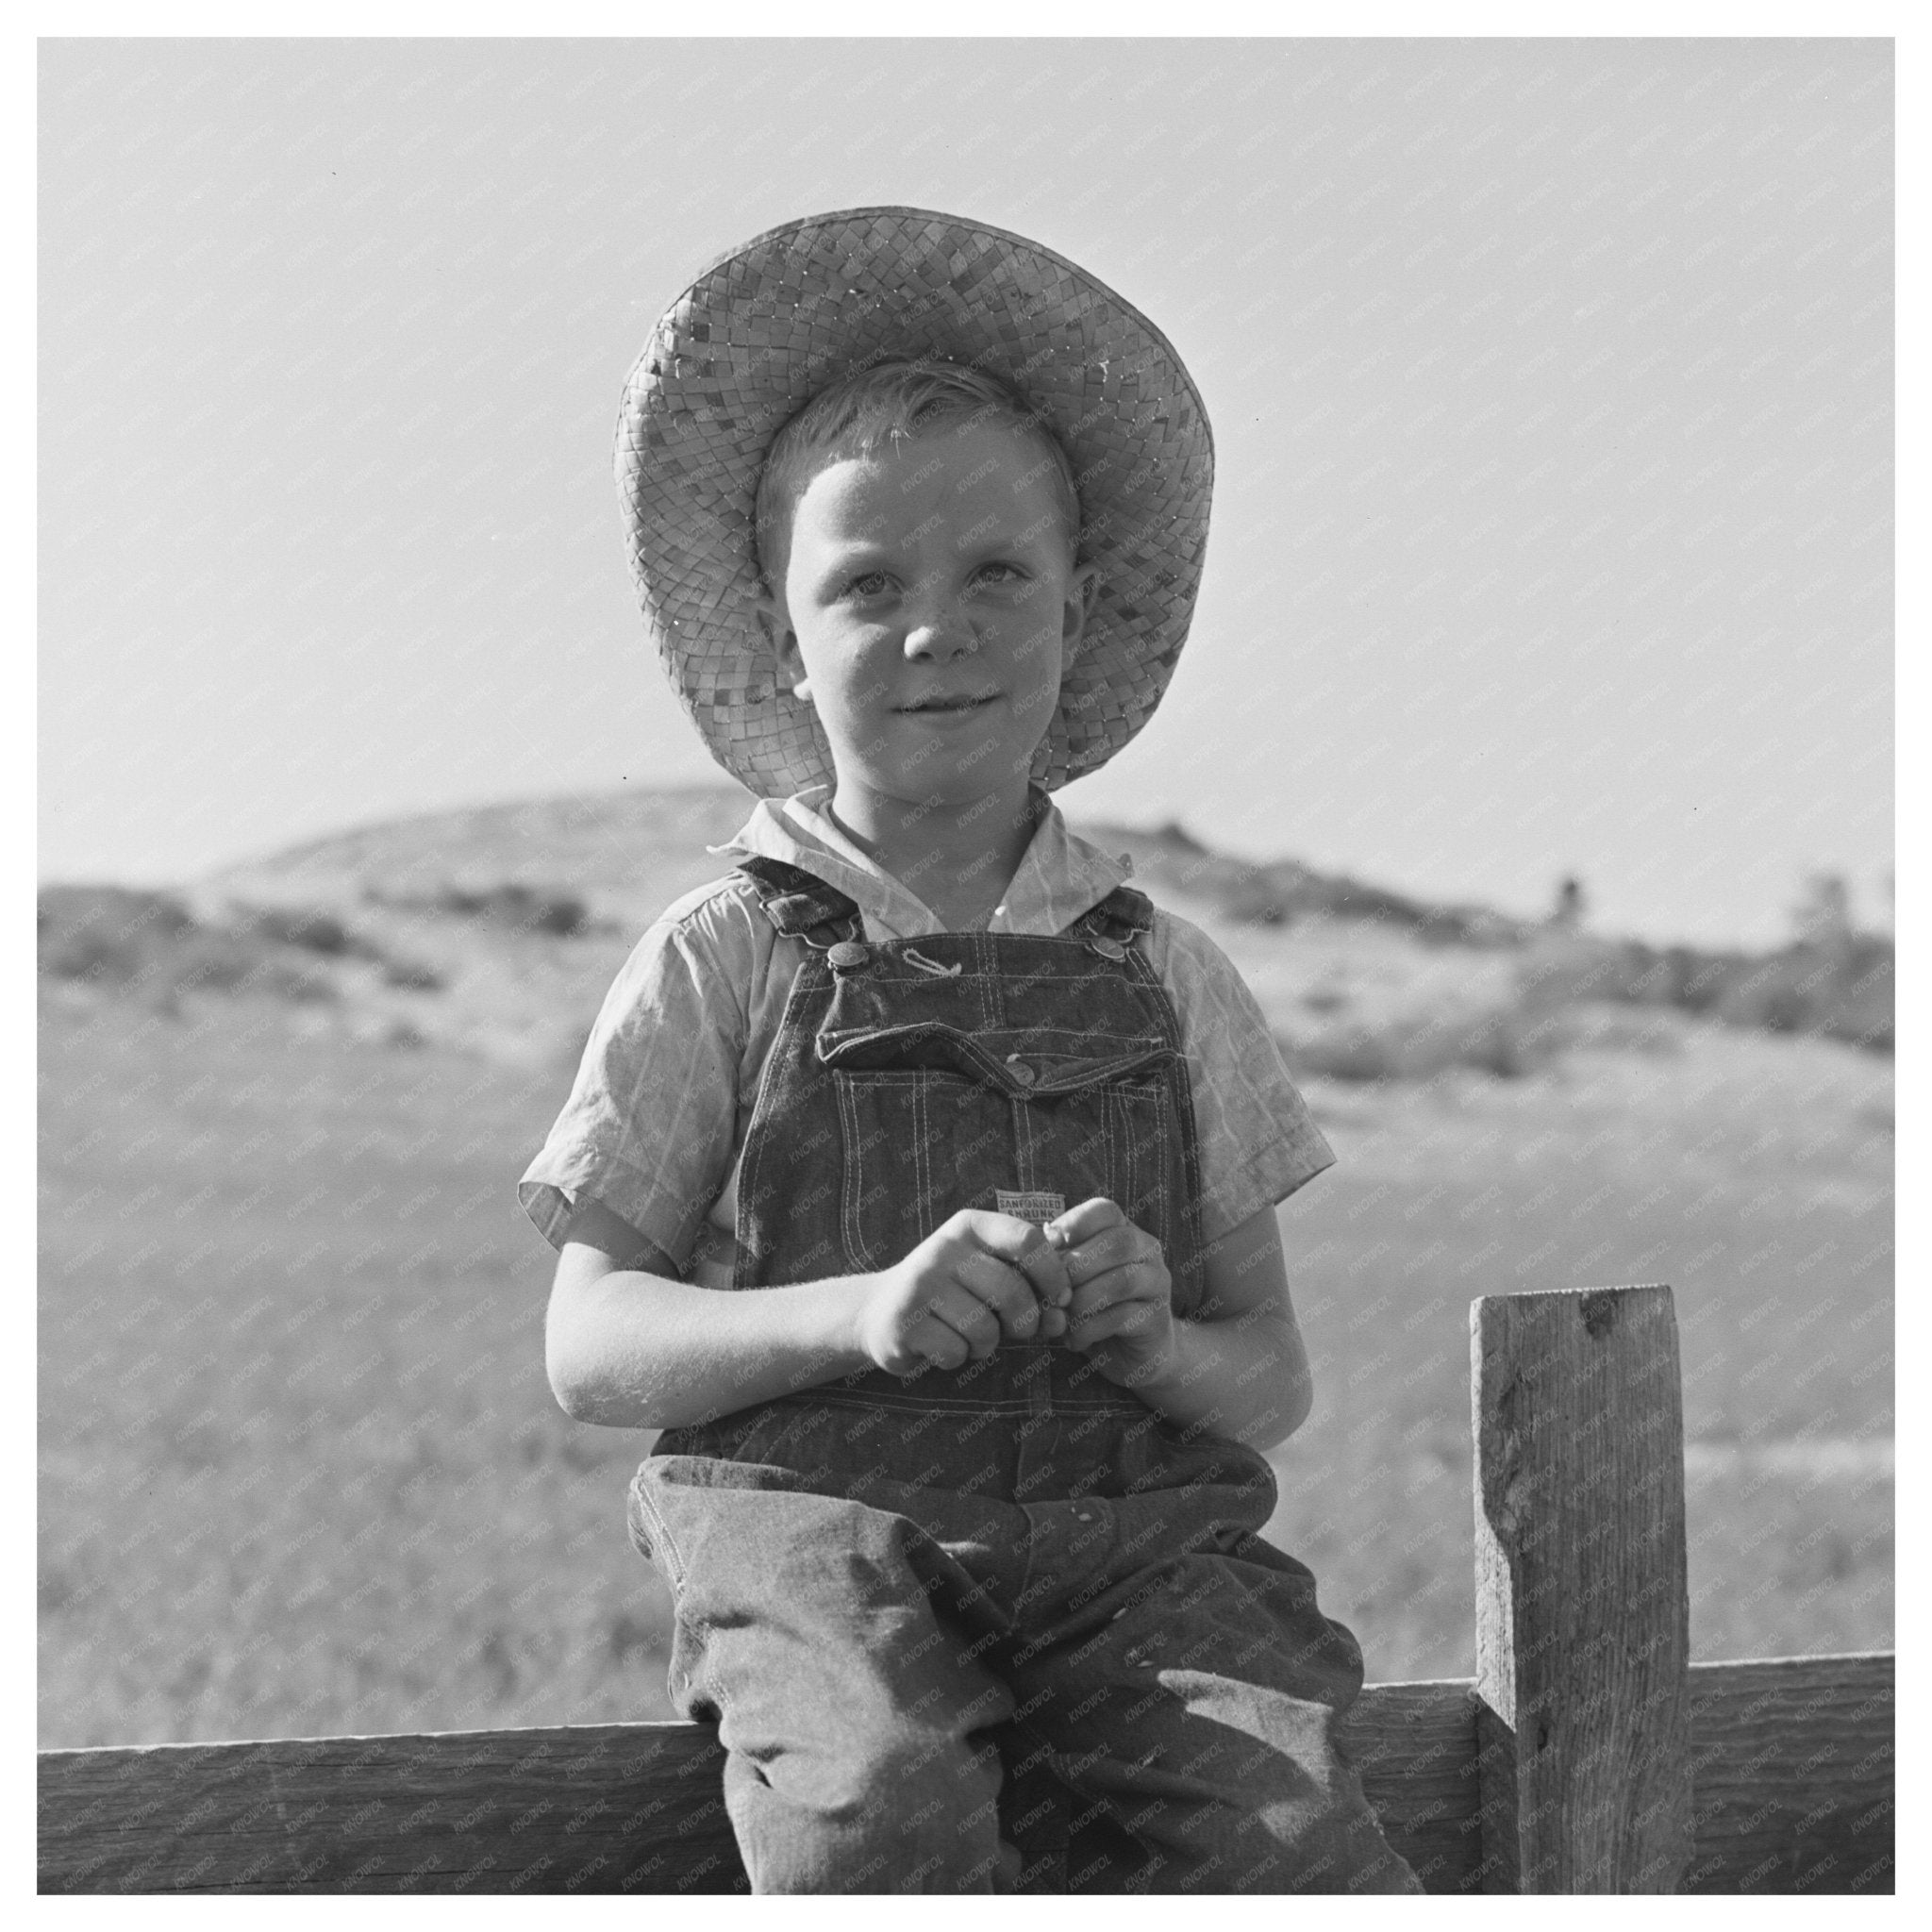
(106, 934)
(1843, 990)
(1508, 1043)
(306, 929)
(124, 939)
(525, 909)
(514, 904)
(1838, 987)
(1281, 891)
(119, 939)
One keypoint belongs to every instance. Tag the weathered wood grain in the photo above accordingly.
(1414, 1746)
(607, 1808)
(612, 1807)
(1792, 1775)
(1792, 1759)
(1582, 1596)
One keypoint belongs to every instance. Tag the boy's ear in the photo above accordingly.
(782, 642)
(1083, 587)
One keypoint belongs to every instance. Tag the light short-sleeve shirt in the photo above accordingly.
(656, 1122)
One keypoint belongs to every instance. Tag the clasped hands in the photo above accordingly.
(1090, 1276)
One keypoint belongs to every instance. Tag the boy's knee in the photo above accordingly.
(941, 1832)
(915, 1785)
(917, 1812)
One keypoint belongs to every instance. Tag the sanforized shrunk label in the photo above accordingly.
(1036, 1206)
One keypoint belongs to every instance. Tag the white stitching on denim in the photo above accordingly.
(1133, 1123)
(932, 966)
(1163, 1214)
(843, 1088)
(662, 1540)
(772, 1083)
(925, 1217)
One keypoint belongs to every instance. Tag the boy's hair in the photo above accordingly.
(891, 402)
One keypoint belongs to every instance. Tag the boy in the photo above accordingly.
(961, 1509)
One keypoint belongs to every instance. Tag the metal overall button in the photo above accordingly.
(848, 956)
(1021, 1071)
(1107, 948)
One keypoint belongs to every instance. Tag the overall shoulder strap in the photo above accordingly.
(800, 904)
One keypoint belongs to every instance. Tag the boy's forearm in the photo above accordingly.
(631, 1350)
(1246, 1377)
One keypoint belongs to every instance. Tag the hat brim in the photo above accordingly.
(769, 325)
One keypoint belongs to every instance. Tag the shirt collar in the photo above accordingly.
(1060, 874)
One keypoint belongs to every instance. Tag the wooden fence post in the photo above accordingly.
(1583, 1709)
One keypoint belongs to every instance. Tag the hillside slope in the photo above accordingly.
(496, 928)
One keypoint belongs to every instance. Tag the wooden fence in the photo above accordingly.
(1587, 1755)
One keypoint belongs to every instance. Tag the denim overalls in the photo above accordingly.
(1001, 1627)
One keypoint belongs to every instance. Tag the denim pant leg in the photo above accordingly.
(1196, 1702)
(855, 1715)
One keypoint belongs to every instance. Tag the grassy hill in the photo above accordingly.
(300, 1469)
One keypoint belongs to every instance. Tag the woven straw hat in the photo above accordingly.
(770, 323)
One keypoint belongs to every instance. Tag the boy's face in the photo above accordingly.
(929, 607)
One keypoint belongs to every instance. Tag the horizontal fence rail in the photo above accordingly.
(1792, 1784)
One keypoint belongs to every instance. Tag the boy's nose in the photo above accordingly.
(940, 631)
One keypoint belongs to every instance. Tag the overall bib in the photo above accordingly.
(1000, 1627)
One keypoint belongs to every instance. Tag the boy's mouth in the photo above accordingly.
(959, 701)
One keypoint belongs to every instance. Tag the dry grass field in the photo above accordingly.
(301, 1472)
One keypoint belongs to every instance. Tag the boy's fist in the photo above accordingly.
(975, 1281)
(1122, 1313)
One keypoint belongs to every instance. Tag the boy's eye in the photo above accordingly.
(1000, 573)
(871, 584)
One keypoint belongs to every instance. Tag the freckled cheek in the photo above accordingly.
(853, 687)
(1036, 658)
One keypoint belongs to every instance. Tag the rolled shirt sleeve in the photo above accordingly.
(651, 1121)
(1257, 1142)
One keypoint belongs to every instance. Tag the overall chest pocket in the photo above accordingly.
(919, 1143)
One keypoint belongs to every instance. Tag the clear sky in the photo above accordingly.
(1551, 383)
